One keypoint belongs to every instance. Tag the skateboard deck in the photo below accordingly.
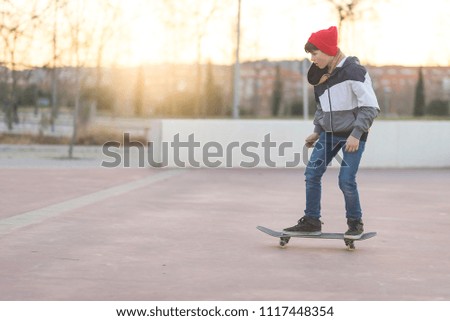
(284, 237)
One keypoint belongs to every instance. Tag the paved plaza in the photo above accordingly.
(71, 230)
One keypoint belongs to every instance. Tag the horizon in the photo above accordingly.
(204, 64)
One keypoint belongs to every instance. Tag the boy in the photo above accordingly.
(346, 108)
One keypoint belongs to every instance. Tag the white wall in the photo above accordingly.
(240, 143)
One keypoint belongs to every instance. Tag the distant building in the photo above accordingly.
(395, 86)
(257, 86)
(170, 90)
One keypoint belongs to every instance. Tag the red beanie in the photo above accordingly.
(325, 40)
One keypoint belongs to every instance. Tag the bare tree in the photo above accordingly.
(190, 19)
(57, 6)
(349, 12)
(108, 24)
(89, 36)
(345, 10)
(202, 18)
(80, 40)
(18, 21)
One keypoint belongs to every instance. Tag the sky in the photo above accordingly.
(384, 32)
(401, 32)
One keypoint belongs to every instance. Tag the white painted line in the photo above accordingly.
(9, 224)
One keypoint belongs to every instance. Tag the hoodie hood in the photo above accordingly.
(315, 74)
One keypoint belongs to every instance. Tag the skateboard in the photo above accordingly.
(284, 238)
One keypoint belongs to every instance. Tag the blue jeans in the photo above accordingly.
(325, 150)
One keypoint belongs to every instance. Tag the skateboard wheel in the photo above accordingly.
(350, 244)
(284, 241)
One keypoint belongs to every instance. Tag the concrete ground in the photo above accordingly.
(70, 230)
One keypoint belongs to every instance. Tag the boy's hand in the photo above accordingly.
(311, 139)
(352, 144)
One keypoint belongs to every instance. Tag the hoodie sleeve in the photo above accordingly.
(318, 116)
(368, 107)
(364, 121)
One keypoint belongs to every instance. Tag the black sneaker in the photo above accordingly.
(355, 229)
(306, 226)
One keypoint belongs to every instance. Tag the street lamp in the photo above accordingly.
(236, 67)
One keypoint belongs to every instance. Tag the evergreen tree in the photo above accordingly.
(213, 98)
(139, 92)
(419, 100)
(277, 94)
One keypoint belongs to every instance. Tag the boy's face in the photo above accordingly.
(320, 59)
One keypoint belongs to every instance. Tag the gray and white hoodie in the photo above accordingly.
(346, 102)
